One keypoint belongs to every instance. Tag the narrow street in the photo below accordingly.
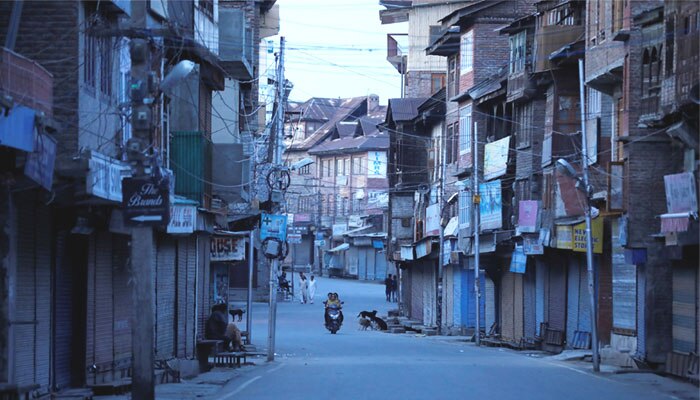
(354, 364)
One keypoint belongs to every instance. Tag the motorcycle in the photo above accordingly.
(334, 318)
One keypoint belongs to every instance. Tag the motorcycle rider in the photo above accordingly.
(333, 300)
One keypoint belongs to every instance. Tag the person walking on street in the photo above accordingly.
(387, 287)
(312, 289)
(304, 288)
(395, 289)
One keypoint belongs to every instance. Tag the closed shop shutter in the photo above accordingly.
(64, 313)
(165, 297)
(406, 277)
(416, 292)
(429, 302)
(641, 309)
(540, 279)
(624, 287)
(203, 299)
(684, 303)
(529, 305)
(507, 306)
(457, 295)
(369, 261)
(489, 303)
(578, 309)
(518, 307)
(557, 294)
(186, 319)
(101, 309)
(32, 320)
(447, 299)
(380, 262)
(123, 307)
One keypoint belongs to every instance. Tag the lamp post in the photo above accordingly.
(584, 185)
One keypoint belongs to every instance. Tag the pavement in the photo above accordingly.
(310, 363)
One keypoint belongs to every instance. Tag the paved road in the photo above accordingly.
(313, 364)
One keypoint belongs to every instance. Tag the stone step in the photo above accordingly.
(429, 332)
(397, 330)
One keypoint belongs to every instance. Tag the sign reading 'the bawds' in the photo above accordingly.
(146, 201)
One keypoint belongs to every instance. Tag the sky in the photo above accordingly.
(337, 48)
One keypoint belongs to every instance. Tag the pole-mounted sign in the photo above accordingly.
(146, 201)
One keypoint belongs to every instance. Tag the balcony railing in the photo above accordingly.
(26, 81)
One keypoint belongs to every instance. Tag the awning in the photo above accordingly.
(676, 222)
(342, 247)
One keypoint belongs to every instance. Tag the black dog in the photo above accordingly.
(236, 312)
(367, 314)
(380, 323)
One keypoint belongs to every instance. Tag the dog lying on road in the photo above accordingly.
(367, 314)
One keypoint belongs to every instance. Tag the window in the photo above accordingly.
(465, 129)
(517, 53)
(357, 165)
(207, 7)
(466, 49)
(437, 82)
(106, 51)
(451, 155)
(338, 166)
(346, 166)
(670, 39)
(617, 11)
(89, 60)
(453, 78)
(523, 120)
(464, 209)
(305, 170)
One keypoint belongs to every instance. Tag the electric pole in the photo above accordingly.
(141, 236)
(441, 256)
(476, 203)
(277, 161)
(589, 239)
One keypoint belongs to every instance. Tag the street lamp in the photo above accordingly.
(583, 185)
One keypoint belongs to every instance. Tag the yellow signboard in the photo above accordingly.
(579, 236)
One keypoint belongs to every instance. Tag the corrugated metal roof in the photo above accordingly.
(405, 109)
(343, 111)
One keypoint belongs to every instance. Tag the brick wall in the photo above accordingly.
(401, 208)
(419, 83)
(48, 33)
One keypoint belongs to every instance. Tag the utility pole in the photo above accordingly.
(441, 256)
(141, 236)
(277, 161)
(476, 203)
(589, 240)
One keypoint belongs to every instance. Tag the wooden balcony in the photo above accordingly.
(549, 39)
(27, 82)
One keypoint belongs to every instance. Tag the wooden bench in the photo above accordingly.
(233, 358)
(12, 391)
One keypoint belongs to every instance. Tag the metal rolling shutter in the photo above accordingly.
(641, 309)
(191, 297)
(186, 319)
(684, 303)
(416, 292)
(362, 263)
(447, 299)
(406, 277)
(32, 321)
(202, 282)
(165, 297)
(578, 310)
(457, 296)
(428, 294)
(507, 306)
(103, 328)
(380, 263)
(541, 274)
(122, 303)
(63, 315)
(557, 295)
(529, 304)
(489, 303)
(518, 307)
